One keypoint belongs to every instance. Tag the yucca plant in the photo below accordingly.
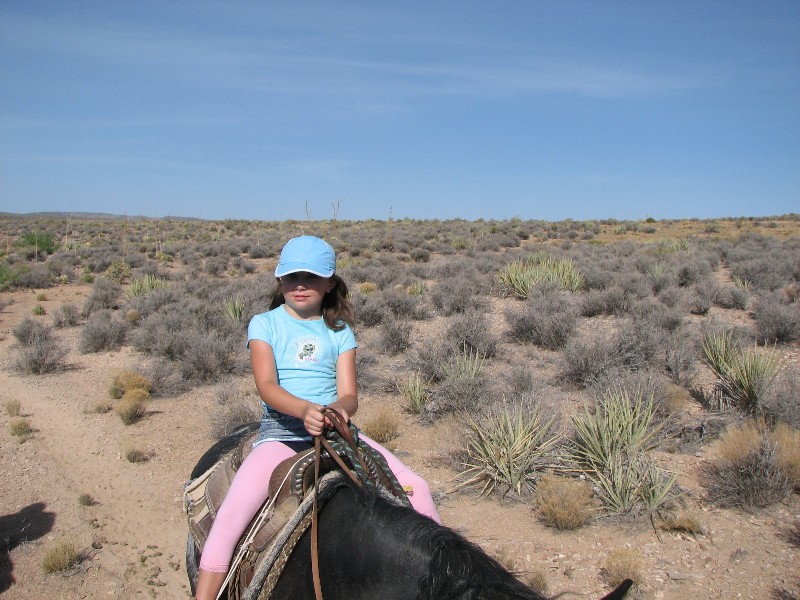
(620, 424)
(506, 447)
(234, 308)
(145, 284)
(744, 373)
(469, 363)
(415, 393)
(611, 446)
(520, 276)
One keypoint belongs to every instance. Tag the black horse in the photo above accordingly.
(371, 548)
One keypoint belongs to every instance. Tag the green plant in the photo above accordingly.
(520, 276)
(39, 310)
(415, 393)
(611, 446)
(468, 363)
(41, 297)
(118, 271)
(145, 284)
(233, 307)
(744, 374)
(506, 447)
(60, 558)
(85, 500)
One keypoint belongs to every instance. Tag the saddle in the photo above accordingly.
(288, 512)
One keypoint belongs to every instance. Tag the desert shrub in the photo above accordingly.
(383, 426)
(622, 564)
(128, 380)
(731, 296)
(748, 472)
(39, 351)
(683, 522)
(564, 503)
(456, 295)
(471, 332)
(609, 301)
(430, 358)
(33, 277)
(464, 386)
(610, 445)
(370, 309)
(136, 455)
(583, 361)
(104, 295)
(420, 255)
(787, 443)
(547, 319)
(232, 414)
(395, 335)
(639, 343)
(39, 310)
(744, 374)
(85, 500)
(165, 378)
(777, 321)
(520, 381)
(210, 356)
(132, 406)
(645, 383)
(60, 558)
(780, 400)
(415, 393)
(507, 446)
(67, 315)
(12, 407)
(102, 332)
(701, 299)
(27, 329)
(164, 334)
(404, 305)
(119, 270)
(680, 355)
(19, 426)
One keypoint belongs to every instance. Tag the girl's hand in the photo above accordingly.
(313, 419)
(342, 411)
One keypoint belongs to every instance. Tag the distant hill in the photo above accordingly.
(96, 216)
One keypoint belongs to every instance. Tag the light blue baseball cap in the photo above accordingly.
(307, 253)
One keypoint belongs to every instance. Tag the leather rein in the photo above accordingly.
(340, 425)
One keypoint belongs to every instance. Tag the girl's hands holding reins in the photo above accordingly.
(313, 419)
(315, 422)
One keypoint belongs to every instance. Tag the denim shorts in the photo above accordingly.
(278, 427)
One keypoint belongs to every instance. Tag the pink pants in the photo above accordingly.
(248, 492)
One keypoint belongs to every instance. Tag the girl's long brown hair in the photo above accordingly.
(336, 308)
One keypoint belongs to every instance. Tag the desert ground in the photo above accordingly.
(131, 536)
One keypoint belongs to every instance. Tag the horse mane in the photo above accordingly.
(456, 568)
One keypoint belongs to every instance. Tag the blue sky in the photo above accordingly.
(283, 110)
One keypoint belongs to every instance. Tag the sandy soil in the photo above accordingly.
(132, 537)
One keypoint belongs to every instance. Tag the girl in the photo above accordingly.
(303, 355)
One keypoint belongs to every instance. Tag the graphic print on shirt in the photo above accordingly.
(306, 349)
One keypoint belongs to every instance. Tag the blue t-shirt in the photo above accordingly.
(305, 358)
